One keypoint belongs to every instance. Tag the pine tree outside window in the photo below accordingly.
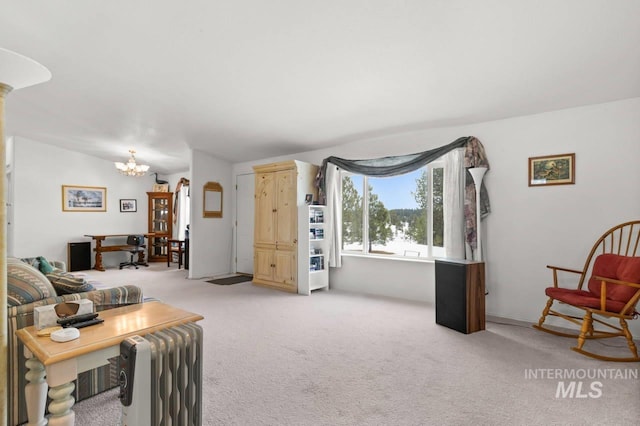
(398, 216)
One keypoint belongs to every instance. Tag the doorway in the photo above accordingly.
(245, 188)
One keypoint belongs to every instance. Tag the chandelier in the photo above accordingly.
(130, 168)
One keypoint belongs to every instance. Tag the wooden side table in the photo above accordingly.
(61, 362)
(177, 247)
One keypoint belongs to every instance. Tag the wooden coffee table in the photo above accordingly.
(61, 362)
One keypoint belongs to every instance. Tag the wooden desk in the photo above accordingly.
(97, 343)
(99, 249)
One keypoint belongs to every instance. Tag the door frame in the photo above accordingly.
(249, 194)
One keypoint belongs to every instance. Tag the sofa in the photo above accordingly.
(30, 283)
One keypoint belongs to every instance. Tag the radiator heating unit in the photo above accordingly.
(160, 377)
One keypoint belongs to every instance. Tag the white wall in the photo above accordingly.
(40, 226)
(529, 227)
(210, 238)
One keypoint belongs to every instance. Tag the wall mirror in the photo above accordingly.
(212, 196)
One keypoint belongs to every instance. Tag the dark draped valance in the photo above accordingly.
(392, 166)
(401, 164)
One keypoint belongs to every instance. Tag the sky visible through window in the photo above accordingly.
(395, 192)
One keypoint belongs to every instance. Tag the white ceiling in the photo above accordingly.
(250, 79)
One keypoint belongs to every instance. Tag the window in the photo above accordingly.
(391, 216)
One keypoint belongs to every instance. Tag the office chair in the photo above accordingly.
(136, 245)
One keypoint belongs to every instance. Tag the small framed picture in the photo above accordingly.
(128, 205)
(308, 199)
(161, 187)
(552, 170)
(84, 198)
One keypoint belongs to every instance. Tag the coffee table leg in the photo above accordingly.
(35, 391)
(61, 404)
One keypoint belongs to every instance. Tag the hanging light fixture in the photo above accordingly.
(130, 168)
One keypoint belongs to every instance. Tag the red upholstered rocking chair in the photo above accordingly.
(612, 274)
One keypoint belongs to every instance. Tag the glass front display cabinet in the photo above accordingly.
(160, 221)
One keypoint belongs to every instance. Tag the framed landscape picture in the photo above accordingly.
(128, 205)
(84, 198)
(552, 170)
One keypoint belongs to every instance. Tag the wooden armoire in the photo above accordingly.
(279, 189)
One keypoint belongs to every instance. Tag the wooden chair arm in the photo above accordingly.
(555, 273)
(613, 281)
(557, 268)
(603, 292)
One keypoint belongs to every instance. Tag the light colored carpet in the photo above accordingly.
(336, 358)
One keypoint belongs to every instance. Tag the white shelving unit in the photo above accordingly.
(313, 270)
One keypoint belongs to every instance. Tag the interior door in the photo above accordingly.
(245, 185)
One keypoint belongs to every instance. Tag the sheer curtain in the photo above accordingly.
(181, 209)
(334, 210)
(454, 184)
(183, 212)
(330, 188)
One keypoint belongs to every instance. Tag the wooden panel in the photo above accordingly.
(286, 210)
(275, 167)
(475, 297)
(285, 269)
(262, 264)
(265, 204)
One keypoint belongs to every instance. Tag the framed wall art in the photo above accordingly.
(84, 198)
(552, 170)
(128, 205)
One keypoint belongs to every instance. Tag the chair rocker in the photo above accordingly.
(612, 273)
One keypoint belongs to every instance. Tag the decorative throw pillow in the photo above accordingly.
(44, 266)
(25, 284)
(67, 283)
(32, 261)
